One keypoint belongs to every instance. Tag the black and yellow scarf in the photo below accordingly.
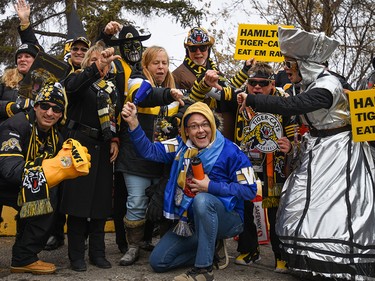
(199, 70)
(106, 94)
(34, 195)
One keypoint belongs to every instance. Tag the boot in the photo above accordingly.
(134, 236)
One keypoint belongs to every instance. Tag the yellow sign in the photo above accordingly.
(362, 111)
(259, 41)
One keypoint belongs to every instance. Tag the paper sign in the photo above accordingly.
(362, 112)
(45, 68)
(259, 41)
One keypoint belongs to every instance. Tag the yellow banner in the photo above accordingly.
(362, 111)
(259, 41)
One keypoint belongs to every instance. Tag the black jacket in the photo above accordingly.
(15, 136)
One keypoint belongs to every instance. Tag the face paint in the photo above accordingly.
(131, 51)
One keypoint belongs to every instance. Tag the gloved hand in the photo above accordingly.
(21, 105)
(25, 104)
(70, 162)
(154, 210)
(247, 65)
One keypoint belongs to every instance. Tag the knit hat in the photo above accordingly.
(201, 108)
(52, 92)
(198, 36)
(82, 39)
(27, 48)
(128, 33)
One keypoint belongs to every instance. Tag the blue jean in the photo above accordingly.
(137, 200)
(211, 222)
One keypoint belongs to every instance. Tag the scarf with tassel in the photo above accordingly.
(106, 93)
(34, 197)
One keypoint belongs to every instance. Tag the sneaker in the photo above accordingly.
(38, 267)
(248, 258)
(196, 274)
(281, 266)
(221, 258)
(130, 257)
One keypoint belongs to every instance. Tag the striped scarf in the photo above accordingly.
(34, 195)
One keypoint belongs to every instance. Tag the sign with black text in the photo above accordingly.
(362, 111)
(259, 41)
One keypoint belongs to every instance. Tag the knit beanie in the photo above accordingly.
(27, 48)
(52, 92)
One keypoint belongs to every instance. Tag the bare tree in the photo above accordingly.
(352, 22)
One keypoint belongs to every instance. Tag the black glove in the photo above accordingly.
(154, 210)
(246, 68)
(21, 104)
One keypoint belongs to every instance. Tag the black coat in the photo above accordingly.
(89, 196)
(15, 135)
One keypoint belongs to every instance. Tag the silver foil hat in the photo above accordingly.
(306, 46)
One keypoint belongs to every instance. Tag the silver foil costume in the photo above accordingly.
(326, 218)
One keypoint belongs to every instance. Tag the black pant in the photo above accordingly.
(32, 235)
(78, 228)
(275, 242)
(59, 219)
(119, 208)
(248, 239)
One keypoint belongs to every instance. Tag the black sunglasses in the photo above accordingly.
(76, 49)
(262, 83)
(290, 63)
(46, 106)
(202, 48)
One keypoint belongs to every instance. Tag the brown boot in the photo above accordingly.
(38, 267)
(134, 236)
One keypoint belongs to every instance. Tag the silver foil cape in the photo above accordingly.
(326, 217)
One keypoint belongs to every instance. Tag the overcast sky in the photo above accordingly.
(171, 36)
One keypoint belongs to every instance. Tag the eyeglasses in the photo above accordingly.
(290, 64)
(196, 127)
(46, 106)
(202, 48)
(262, 83)
(76, 49)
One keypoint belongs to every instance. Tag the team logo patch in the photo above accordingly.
(262, 133)
(11, 144)
(66, 161)
(34, 180)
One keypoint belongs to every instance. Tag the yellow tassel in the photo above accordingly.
(36, 208)
(270, 202)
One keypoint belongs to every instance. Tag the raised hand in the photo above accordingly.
(23, 10)
(129, 114)
(178, 96)
(241, 100)
(112, 28)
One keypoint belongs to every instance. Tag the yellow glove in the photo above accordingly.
(71, 162)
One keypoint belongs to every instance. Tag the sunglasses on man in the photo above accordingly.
(201, 48)
(76, 49)
(262, 83)
(47, 106)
